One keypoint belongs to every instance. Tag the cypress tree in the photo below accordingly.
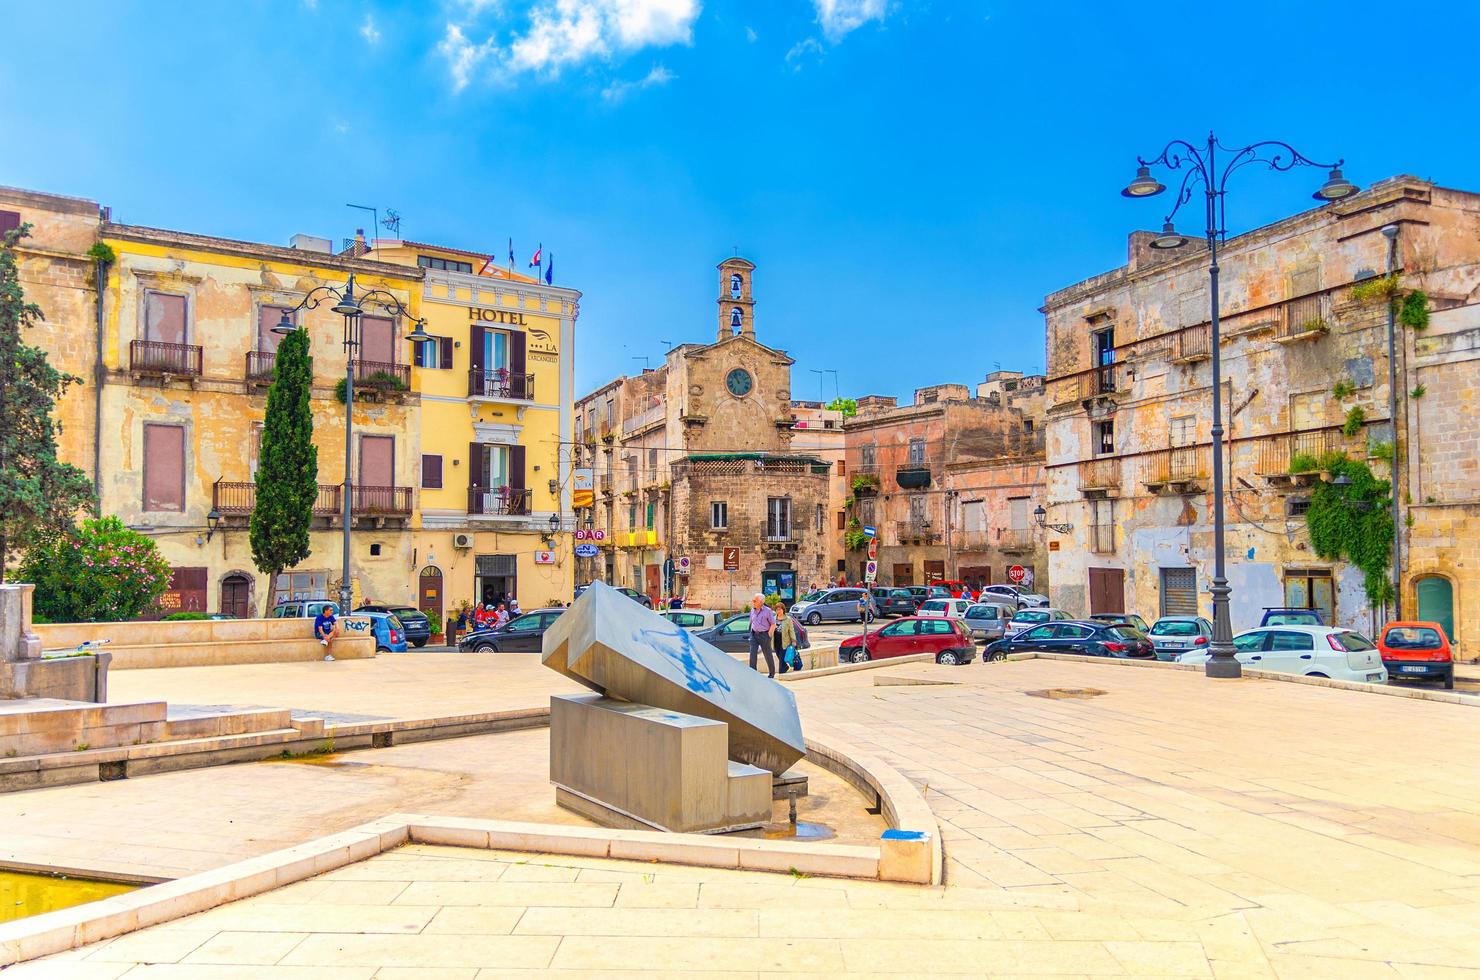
(287, 464)
(39, 496)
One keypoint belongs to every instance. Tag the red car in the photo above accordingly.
(948, 639)
(955, 585)
(1416, 652)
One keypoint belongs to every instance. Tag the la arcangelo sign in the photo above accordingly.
(540, 342)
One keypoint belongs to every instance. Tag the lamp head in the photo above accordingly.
(1169, 238)
(1144, 185)
(419, 335)
(214, 517)
(1335, 188)
(284, 326)
(1039, 515)
(1342, 480)
(348, 305)
(554, 523)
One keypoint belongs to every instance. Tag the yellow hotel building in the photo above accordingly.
(461, 488)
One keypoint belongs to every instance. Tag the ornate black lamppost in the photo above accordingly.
(1201, 166)
(351, 307)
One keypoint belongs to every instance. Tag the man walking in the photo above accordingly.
(762, 625)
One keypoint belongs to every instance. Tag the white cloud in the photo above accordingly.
(369, 31)
(567, 32)
(463, 56)
(841, 17)
(806, 48)
(311, 4)
(619, 90)
(750, 34)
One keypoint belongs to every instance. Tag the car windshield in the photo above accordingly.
(981, 612)
(934, 605)
(1175, 627)
(405, 610)
(1292, 619)
(810, 597)
(1413, 638)
(899, 594)
(1354, 642)
(1032, 616)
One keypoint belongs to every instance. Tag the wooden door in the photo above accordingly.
(935, 571)
(377, 461)
(429, 591)
(236, 593)
(187, 592)
(653, 583)
(1106, 590)
(904, 573)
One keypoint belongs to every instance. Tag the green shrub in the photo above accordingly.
(434, 620)
(1414, 311)
(1303, 463)
(865, 482)
(855, 540)
(100, 571)
(1379, 288)
(1381, 450)
(1354, 523)
(1419, 391)
(1354, 420)
(102, 252)
(180, 617)
(1344, 389)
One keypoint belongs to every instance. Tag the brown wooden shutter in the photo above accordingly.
(377, 339)
(475, 465)
(444, 344)
(476, 353)
(164, 467)
(431, 472)
(516, 467)
(377, 461)
(842, 521)
(9, 221)
(518, 362)
(164, 318)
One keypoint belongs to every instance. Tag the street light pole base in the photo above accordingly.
(1223, 669)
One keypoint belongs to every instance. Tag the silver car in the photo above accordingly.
(833, 604)
(694, 619)
(1012, 593)
(988, 620)
(1174, 635)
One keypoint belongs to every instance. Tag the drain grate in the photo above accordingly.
(1066, 693)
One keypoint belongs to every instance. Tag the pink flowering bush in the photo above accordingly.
(101, 571)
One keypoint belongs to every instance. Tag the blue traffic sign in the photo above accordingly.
(870, 531)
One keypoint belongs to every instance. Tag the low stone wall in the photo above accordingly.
(82, 678)
(208, 643)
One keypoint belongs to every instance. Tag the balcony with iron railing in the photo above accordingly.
(1306, 317)
(156, 357)
(499, 501)
(1193, 344)
(261, 365)
(381, 501)
(1182, 469)
(643, 420)
(1100, 475)
(909, 532)
(381, 377)
(238, 498)
(1016, 540)
(1284, 455)
(500, 384)
(1104, 381)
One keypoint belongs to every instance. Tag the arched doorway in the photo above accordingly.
(429, 592)
(1436, 602)
(236, 595)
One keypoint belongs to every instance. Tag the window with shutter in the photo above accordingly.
(164, 318)
(267, 318)
(377, 339)
(431, 472)
(444, 345)
(164, 467)
(9, 221)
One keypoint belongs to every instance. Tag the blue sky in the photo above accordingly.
(911, 177)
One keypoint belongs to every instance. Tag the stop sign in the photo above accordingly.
(1015, 574)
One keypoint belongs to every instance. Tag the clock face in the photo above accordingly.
(738, 381)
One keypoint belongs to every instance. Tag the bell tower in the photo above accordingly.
(736, 306)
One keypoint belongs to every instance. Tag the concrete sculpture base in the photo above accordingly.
(638, 767)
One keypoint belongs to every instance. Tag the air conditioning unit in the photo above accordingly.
(463, 541)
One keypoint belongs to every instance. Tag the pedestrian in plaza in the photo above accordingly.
(502, 616)
(514, 609)
(786, 643)
(762, 628)
(481, 616)
(326, 629)
(676, 602)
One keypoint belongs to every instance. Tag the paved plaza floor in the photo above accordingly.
(1167, 825)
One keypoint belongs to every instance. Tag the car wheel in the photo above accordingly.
(418, 643)
(860, 657)
(947, 658)
(998, 656)
(1449, 680)
(485, 648)
(1317, 673)
(814, 619)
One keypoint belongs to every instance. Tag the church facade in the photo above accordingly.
(693, 460)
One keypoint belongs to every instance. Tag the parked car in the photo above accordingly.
(1173, 635)
(1314, 651)
(895, 602)
(946, 608)
(307, 608)
(693, 619)
(522, 634)
(1125, 619)
(390, 635)
(1013, 593)
(733, 635)
(954, 586)
(1416, 651)
(920, 593)
(947, 639)
(418, 627)
(1086, 637)
(838, 605)
(1291, 616)
(988, 620)
(635, 596)
(1026, 618)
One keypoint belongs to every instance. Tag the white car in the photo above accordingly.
(1313, 651)
(1034, 616)
(694, 620)
(945, 608)
(1012, 593)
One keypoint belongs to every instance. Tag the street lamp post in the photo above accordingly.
(351, 307)
(1201, 165)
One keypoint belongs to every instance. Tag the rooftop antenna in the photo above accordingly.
(643, 358)
(374, 213)
(392, 222)
(836, 394)
(996, 365)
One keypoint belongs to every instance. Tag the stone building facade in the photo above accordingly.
(948, 482)
(695, 458)
(818, 432)
(1305, 369)
(173, 338)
